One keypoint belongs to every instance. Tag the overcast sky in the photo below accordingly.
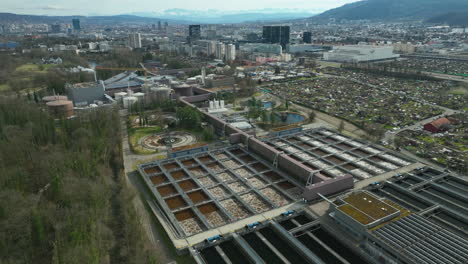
(112, 7)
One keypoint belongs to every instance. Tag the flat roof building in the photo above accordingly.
(360, 53)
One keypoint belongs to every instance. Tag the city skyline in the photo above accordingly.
(107, 7)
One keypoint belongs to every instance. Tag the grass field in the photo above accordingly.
(135, 134)
(4, 87)
(459, 91)
(34, 68)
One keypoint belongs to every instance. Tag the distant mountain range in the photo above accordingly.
(178, 16)
(451, 18)
(391, 10)
(96, 20)
(212, 16)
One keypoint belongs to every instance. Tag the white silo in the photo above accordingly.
(222, 104)
(119, 96)
(140, 97)
(129, 101)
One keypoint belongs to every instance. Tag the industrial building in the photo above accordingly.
(415, 217)
(253, 201)
(304, 48)
(262, 48)
(83, 94)
(217, 191)
(360, 53)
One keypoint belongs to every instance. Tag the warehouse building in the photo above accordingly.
(360, 53)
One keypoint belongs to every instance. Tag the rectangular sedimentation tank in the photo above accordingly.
(217, 188)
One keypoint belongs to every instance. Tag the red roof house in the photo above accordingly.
(437, 126)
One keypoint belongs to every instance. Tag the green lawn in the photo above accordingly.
(460, 91)
(4, 87)
(34, 68)
(136, 134)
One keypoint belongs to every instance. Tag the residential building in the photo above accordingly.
(230, 52)
(220, 50)
(134, 40)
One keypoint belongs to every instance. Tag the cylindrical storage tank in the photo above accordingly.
(222, 104)
(216, 104)
(211, 105)
(139, 96)
(161, 94)
(183, 90)
(129, 101)
(60, 109)
(119, 96)
(52, 98)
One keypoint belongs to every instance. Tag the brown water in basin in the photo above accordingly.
(361, 152)
(187, 185)
(205, 159)
(177, 175)
(156, 180)
(175, 202)
(273, 176)
(189, 162)
(207, 208)
(377, 159)
(247, 158)
(170, 166)
(319, 152)
(286, 185)
(259, 167)
(304, 145)
(198, 197)
(349, 166)
(152, 170)
(167, 190)
(345, 146)
(294, 140)
(184, 215)
(334, 159)
(329, 140)
(237, 152)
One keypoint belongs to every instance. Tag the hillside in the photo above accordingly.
(393, 10)
(451, 18)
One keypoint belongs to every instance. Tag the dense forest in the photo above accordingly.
(63, 197)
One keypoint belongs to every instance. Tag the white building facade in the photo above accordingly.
(134, 41)
(360, 53)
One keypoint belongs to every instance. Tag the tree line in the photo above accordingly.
(62, 197)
